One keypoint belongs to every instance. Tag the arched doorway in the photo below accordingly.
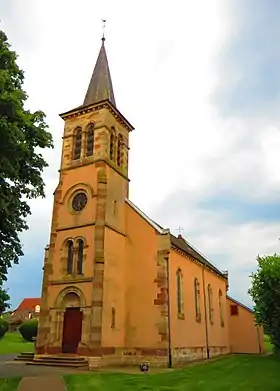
(72, 323)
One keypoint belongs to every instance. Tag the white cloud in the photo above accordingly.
(163, 64)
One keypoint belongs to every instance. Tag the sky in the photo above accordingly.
(200, 82)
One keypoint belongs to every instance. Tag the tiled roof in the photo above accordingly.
(28, 304)
(184, 246)
(178, 242)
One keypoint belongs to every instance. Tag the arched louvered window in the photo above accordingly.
(80, 256)
(112, 144)
(77, 147)
(90, 139)
(70, 256)
(197, 300)
(119, 150)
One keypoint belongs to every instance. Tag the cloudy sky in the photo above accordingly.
(200, 82)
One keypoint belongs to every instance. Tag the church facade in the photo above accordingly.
(117, 287)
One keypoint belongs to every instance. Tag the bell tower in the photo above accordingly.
(88, 224)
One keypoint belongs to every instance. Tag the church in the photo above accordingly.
(119, 289)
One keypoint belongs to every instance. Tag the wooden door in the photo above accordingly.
(72, 330)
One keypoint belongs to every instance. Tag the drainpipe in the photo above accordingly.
(205, 313)
(168, 314)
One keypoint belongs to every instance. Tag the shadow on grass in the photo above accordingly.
(233, 373)
(13, 343)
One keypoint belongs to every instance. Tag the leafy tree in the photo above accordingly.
(265, 292)
(21, 163)
(4, 300)
(4, 327)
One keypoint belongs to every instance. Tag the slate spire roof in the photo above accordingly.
(100, 86)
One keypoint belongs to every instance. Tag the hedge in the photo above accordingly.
(29, 329)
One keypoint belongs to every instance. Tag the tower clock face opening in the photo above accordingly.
(79, 202)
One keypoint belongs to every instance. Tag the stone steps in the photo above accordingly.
(60, 361)
(25, 357)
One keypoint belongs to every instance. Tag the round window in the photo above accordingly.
(79, 202)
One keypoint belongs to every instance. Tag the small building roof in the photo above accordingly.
(240, 304)
(28, 304)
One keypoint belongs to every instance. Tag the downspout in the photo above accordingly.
(168, 314)
(205, 313)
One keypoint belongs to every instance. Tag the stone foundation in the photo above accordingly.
(118, 357)
(181, 356)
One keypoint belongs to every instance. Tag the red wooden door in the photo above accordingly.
(72, 330)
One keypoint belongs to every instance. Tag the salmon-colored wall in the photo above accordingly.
(141, 263)
(188, 332)
(80, 177)
(114, 290)
(115, 200)
(243, 332)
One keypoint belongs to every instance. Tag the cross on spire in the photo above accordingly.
(180, 230)
(103, 29)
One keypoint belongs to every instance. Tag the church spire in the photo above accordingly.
(100, 86)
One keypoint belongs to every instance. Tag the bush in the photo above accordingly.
(4, 327)
(29, 330)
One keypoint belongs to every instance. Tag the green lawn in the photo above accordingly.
(10, 384)
(235, 373)
(14, 343)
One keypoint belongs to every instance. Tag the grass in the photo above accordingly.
(14, 343)
(235, 373)
(10, 384)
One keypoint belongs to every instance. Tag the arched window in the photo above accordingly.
(210, 304)
(179, 283)
(119, 150)
(221, 308)
(70, 256)
(77, 148)
(80, 256)
(197, 300)
(90, 139)
(112, 139)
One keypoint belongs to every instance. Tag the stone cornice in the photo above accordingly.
(98, 106)
(92, 161)
(70, 281)
(91, 223)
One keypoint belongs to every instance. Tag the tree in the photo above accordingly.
(4, 300)
(22, 133)
(265, 292)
